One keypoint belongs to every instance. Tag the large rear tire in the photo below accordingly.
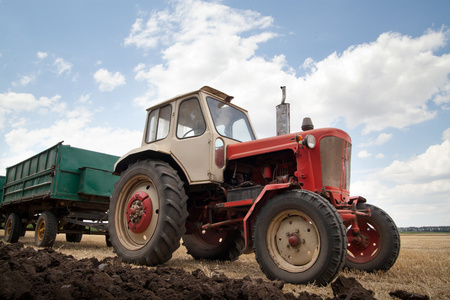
(46, 229)
(378, 245)
(147, 213)
(13, 228)
(300, 238)
(215, 245)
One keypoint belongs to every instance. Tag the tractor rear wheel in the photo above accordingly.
(300, 238)
(378, 243)
(148, 212)
(215, 245)
(13, 228)
(46, 229)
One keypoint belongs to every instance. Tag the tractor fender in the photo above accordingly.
(266, 194)
(148, 153)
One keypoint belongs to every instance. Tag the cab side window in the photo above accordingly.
(190, 119)
(158, 124)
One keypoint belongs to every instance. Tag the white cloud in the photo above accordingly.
(107, 80)
(429, 166)
(85, 98)
(386, 83)
(415, 189)
(379, 156)
(364, 154)
(389, 81)
(25, 80)
(18, 102)
(72, 127)
(380, 140)
(383, 138)
(62, 66)
(186, 23)
(41, 55)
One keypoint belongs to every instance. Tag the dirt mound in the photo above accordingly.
(47, 274)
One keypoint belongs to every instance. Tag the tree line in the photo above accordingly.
(425, 229)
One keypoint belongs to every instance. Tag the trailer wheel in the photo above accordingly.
(300, 238)
(108, 240)
(378, 243)
(13, 228)
(74, 237)
(147, 212)
(46, 229)
(215, 245)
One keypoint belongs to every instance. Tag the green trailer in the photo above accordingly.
(60, 190)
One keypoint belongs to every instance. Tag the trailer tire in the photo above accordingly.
(13, 228)
(147, 214)
(23, 229)
(46, 229)
(74, 237)
(379, 247)
(215, 245)
(300, 238)
(108, 240)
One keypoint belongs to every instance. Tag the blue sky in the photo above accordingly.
(85, 71)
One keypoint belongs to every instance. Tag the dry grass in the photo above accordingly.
(423, 266)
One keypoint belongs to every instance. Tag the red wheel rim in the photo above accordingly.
(368, 246)
(139, 212)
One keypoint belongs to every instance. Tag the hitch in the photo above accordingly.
(351, 215)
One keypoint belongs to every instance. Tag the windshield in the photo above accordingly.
(229, 121)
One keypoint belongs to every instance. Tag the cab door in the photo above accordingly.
(191, 141)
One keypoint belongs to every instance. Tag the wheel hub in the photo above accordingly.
(294, 240)
(139, 212)
(362, 242)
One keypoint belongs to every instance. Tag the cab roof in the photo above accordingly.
(218, 94)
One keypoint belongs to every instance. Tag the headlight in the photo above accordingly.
(309, 141)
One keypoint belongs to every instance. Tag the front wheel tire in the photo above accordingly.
(300, 238)
(378, 243)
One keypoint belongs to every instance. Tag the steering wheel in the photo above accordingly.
(189, 131)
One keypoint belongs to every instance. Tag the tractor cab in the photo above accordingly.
(192, 131)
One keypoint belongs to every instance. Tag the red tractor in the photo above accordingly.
(201, 175)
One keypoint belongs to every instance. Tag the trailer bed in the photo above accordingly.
(61, 190)
(62, 173)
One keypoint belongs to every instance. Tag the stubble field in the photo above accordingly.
(423, 266)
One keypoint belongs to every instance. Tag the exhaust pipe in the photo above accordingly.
(283, 115)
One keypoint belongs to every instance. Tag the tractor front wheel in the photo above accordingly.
(148, 212)
(299, 238)
(377, 245)
(212, 244)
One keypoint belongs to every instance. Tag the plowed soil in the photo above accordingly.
(47, 274)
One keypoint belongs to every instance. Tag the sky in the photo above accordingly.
(84, 72)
